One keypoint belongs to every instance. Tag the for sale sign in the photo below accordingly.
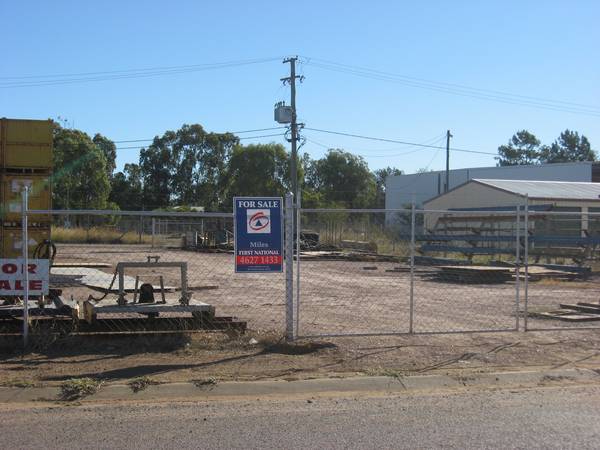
(12, 276)
(258, 234)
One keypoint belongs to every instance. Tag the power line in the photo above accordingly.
(51, 80)
(433, 140)
(230, 132)
(415, 144)
(242, 138)
(456, 89)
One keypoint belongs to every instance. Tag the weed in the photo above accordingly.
(381, 372)
(141, 383)
(77, 388)
(205, 382)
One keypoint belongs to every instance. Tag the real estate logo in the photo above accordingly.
(258, 221)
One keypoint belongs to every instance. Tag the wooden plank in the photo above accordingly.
(593, 305)
(582, 308)
(75, 264)
(477, 268)
(567, 316)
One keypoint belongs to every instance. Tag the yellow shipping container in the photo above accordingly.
(26, 144)
(12, 241)
(40, 197)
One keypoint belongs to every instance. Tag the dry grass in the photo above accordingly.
(77, 388)
(141, 383)
(97, 235)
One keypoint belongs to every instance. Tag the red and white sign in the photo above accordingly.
(12, 276)
(259, 221)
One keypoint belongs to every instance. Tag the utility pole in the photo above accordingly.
(294, 123)
(448, 136)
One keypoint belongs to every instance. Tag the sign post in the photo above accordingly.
(258, 244)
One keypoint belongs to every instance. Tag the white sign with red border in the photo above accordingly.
(12, 276)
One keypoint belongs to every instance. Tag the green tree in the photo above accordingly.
(380, 178)
(155, 168)
(522, 148)
(80, 179)
(109, 149)
(185, 167)
(258, 169)
(126, 188)
(569, 146)
(343, 179)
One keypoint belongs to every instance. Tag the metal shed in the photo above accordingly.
(561, 214)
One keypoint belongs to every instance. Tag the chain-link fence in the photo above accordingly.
(405, 271)
(122, 272)
(356, 272)
(562, 289)
(495, 269)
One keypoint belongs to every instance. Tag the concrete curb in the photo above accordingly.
(375, 385)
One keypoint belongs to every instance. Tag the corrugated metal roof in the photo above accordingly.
(566, 190)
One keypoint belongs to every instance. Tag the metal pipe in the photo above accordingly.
(298, 228)
(135, 289)
(289, 267)
(412, 267)
(517, 268)
(525, 317)
(162, 289)
(110, 212)
(25, 267)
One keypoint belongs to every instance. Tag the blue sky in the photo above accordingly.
(545, 49)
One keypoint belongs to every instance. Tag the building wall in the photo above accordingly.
(401, 189)
(470, 195)
(476, 195)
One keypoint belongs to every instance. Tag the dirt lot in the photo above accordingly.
(219, 357)
(342, 297)
(337, 297)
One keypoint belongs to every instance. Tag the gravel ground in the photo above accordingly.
(342, 297)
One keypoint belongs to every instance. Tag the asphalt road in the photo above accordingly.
(539, 418)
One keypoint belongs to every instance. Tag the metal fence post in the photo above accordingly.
(141, 232)
(25, 267)
(153, 230)
(525, 309)
(298, 229)
(412, 267)
(517, 266)
(289, 266)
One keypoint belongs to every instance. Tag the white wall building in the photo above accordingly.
(401, 189)
(480, 195)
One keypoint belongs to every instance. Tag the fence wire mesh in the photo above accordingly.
(357, 272)
(353, 272)
(91, 247)
(562, 262)
(465, 273)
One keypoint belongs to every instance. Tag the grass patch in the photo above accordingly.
(381, 372)
(141, 383)
(77, 388)
(205, 382)
(97, 235)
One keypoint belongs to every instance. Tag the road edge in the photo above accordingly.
(365, 385)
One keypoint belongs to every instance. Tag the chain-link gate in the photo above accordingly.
(370, 272)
